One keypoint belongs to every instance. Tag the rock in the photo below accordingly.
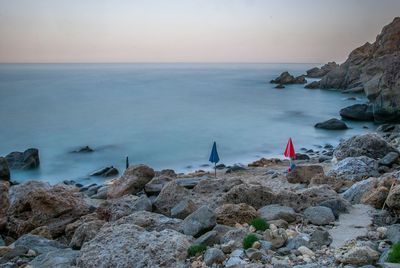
(297, 241)
(4, 170)
(355, 168)
(132, 181)
(358, 255)
(135, 247)
(59, 258)
(155, 186)
(264, 162)
(312, 85)
(286, 78)
(279, 223)
(383, 218)
(280, 86)
(114, 209)
(199, 222)
(393, 199)
(319, 215)
(208, 239)
(332, 124)
(24, 160)
(253, 254)
(305, 251)
(235, 235)
(337, 205)
(183, 209)
(276, 212)
(235, 168)
(360, 112)
(370, 145)
(393, 233)
(277, 237)
(5, 203)
(42, 231)
(319, 238)
(235, 259)
(320, 72)
(213, 255)
(102, 193)
(170, 195)
(151, 221)
(376, 197)
(35, 204)
(39, 244)
(85, 232)
(85, 149)
(230, 214)
(302, 157)
(254, 195)
(389, 159)
(106, 172)
(304, 174)
(190, 183)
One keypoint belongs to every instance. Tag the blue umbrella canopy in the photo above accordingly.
(214, 158)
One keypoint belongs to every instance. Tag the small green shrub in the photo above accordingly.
(260, 224)
(249, 240)
(195, 250)
(394, 253)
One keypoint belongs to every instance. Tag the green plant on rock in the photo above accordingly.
(394, 253)
(260, 224)
(249, 240)
(195, 250)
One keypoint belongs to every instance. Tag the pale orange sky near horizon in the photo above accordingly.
(189, 31)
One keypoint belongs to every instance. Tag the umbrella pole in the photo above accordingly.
(215, 170)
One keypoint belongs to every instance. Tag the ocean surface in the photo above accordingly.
(162, 115)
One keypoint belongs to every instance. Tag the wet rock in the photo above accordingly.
(276, 212)
(59, 258)
(85, 232)
(135, 247)
(169, 197)
(302, 157)
(230, 214)
(389, 159)
(319, 215)
(105, 172)
(37, 243)
(332, 124)
(28, 159)
(280, 86)
(304, 174)
(85, 149)
(4, 170)
(132, 181)
(235, 168)
(183, 209)
(199, 222)
(213, 256)
(114, 209)
(355, 168)
(360, 112)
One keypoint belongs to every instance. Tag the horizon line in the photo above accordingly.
(164, 62)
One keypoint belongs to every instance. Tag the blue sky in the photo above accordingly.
(188, 30)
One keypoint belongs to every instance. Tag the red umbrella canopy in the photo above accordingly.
(289, 151)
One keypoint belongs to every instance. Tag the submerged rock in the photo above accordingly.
(332, 124)
(85, 149)
(24, 160)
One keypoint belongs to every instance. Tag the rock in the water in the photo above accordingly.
(132, 181)
(320, 72)
(286, 78)
(389, 159)
(85, 232)
(114, 209)
(355, 168)
(213, 255)
(230, 214)
(280, 86)
(183, 209)
(370, 145)
(85, 149)
(170, 195)
(312, 85)
(61, 258)
(332, 124)
(276, 212)
(24, 160)
(4, 170)
(358, 255)
(360, 112)
(106, 172)
(37, 243)
(127, 245)
(304, 174)
(319, 215)
(199, 222)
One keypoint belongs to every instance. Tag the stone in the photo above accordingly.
(5, 203)
(337, 205)
(356, 192)
(320, 72)
(61, 258)
(383, 218)
(297, 241)
(183, 209)
(199, 222)
(132, 181)
(253, 254)
(306, 251)
(277, 212)
(319, 215)
(28, 159)
(235, 235)
(355, 168)
(393, 233)
(277, 237)
(127, 245)
(264, 162)
(42, 231)
(4, 170)
(151, 221)
(389, 159)
(105, 172)
(208, 239)
(360, 112)
(304, 174)
(358, 255)
(114, 209)
(84, 149)
(370, 145)
(393, 198)
(332, 124)
(170, 195)
(319, 238)
(39, 244)
(280, 86)
(312, 85)
(230, 214)
(213, 256)
(376, 197)
(102, 193)
(286, 78)
(234, 168)
(85, 232)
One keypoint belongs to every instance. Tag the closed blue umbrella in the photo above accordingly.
(214, 158)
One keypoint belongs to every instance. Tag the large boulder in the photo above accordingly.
(170, 195)
(356, 192)
(35, 204)
(183, 209)
(132, 181)
(230, 214)
(114, 209)
(332, 124)
(304, 174)
(199, 222)
(28, 159)
(61, 258)
(128, 245)
(355, 168)
(4, 170)
(277, 212)
(319, 215)
(5, 203)
(360, 112)
(371, 145)
(39, 244)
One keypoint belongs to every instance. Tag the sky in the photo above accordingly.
(265, 31)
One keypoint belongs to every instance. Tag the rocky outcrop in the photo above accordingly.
(332, 124)
(359, 112)
(24, 160)
(320, 72)
(286, 78)
(4, 170)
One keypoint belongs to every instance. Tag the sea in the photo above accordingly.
(162, 115)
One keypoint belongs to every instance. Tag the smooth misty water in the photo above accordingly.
(163, 115)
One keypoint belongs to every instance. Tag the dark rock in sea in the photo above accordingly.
(360, 112)
(280, 86)
(332, 124)
(320, 72)
(234, 168)
(312, 85)
(85, 149)
(4, 170)
(26, 160)
(286, 78)
(105, 172)
(220, 166)
(351, 98)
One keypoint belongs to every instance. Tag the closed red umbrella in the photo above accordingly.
(290, 152)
